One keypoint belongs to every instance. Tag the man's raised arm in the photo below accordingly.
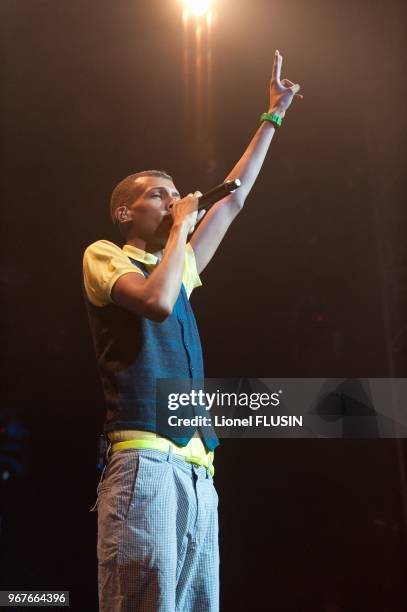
(212, 229)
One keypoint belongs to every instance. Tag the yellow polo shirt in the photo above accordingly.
(103, 264)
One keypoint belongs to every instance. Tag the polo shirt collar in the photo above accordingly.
(140, 255)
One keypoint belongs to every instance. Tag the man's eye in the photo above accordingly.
(157, 195)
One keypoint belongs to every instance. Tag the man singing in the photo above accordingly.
(157, 505)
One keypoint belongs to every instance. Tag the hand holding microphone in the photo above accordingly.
(185, 211)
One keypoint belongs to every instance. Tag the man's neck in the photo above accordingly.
(154, 249)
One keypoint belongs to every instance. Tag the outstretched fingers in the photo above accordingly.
(278, 60)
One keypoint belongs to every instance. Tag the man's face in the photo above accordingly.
(150, 209)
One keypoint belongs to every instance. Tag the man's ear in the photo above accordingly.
(121, 214)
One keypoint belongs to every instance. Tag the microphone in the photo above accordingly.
(207, 199)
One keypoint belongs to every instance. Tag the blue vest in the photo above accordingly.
(133, 352)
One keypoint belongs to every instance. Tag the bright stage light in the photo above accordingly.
(198, 7)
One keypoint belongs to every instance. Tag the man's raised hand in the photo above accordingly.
(282, 91)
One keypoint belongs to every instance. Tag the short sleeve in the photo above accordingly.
(103, 263)
(190, 277)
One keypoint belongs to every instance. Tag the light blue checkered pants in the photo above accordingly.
(157, 535)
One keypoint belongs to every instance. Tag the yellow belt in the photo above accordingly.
(162, 445)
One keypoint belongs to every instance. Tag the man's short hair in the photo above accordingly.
(124, 191)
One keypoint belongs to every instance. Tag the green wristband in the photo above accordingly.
(276, 119)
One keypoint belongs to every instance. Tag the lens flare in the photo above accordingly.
(198, 7)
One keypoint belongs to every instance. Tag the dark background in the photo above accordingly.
(310, 280)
